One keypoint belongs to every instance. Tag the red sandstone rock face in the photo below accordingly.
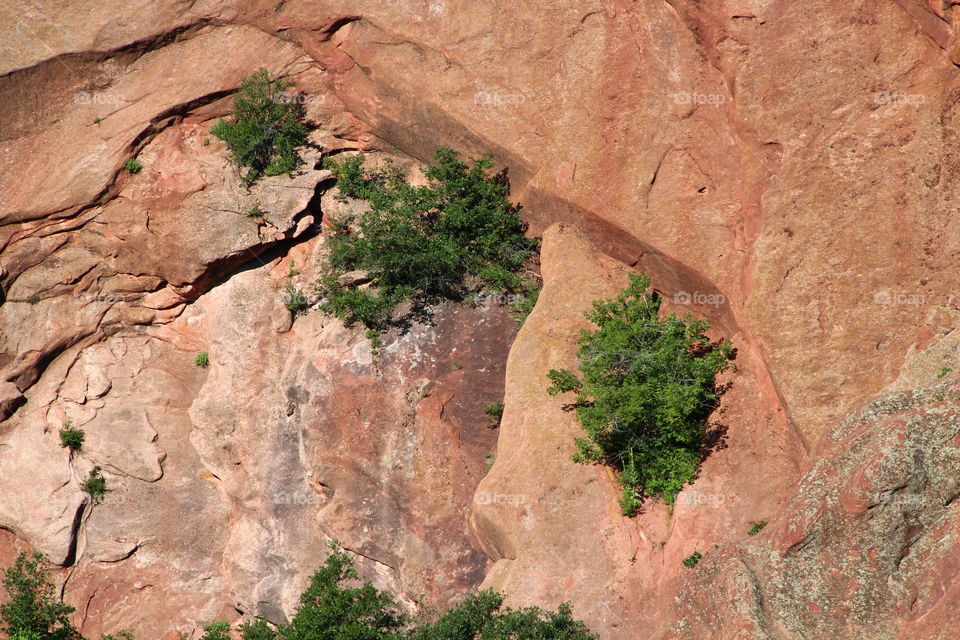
(788, 169)
(867, 548)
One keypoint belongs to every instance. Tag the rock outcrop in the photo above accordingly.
(787, 170)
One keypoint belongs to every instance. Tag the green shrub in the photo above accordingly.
(757, 528)
(482, 616)
(944, 372)
(421, 241)
(521, 307)
(495, 411)
(352, 304)
(218, 630)
(255, 211)
(330, 609)
(293, 298)
(691, 561)
(646, 388)
(34, 299)
(32, 608)
(265, 130)
(133, 165)
(95, 485)
(71, 438)
(375, 340)
(202, 359)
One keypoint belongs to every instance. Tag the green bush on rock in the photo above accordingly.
(266, 128)
(331, 609)
(422, 241)
(645, 390)
(31, 608)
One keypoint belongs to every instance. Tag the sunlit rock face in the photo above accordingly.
(786, 170)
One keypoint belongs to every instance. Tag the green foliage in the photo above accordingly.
(265, 130)
(255, 211)
(421, 241)
(757, 528)
(944, 372)
(352, 304)
(218, 630)
(691, 561)
(482, 616)
(95, 485)
(70, 437)
(258, 630)
(133, 165)
(202, 359)
(646, 389)
(374, 337)
(495, 411)
(330, 609)
(523, 305)
(34, 299)
(31, 609)
(293, 298)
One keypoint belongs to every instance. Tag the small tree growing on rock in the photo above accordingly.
(266, 128)
(645, 389)
(32, 609)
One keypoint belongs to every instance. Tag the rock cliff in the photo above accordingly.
(788, 170)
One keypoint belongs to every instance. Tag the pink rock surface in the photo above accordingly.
(785, 169)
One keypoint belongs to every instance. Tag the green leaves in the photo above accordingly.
(95, 485)
(266, 128)
(332, 610)
(645, 391)
(421, 241)
(482, 616)
(32, 609)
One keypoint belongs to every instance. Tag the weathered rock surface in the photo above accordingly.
(868, 546)
(608, 563)
(786, 169)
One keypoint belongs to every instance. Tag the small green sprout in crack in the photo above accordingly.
(757, 528)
